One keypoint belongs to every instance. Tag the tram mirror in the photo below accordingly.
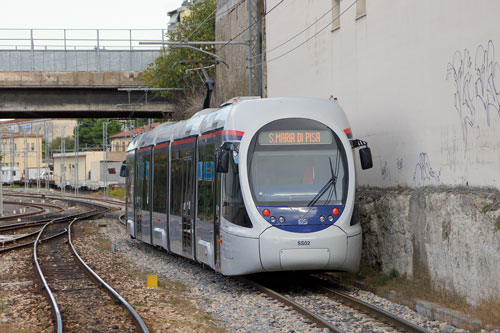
(223, 161)
(123, 171)
(365, 156)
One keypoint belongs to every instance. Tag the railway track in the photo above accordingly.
(79, 297)
(381, 318)
(40, 208)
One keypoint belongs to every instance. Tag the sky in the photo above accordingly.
(88, 14)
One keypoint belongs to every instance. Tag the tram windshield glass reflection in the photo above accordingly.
(298, 174)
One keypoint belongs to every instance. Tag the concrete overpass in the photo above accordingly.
(77, 77)
(79, 95)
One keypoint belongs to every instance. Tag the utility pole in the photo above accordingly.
(105, 147)
(47, 153)
(25, 159)
(63, 162)
(38, 158)
(76, 157)
(1, 190)
(1, 174)
(12, 156)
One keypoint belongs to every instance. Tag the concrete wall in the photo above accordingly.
(74, 61)
(232, 81)
(418, 80)
(446, 235)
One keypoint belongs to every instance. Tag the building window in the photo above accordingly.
(336, 14)
(360, 9)
(32, 146)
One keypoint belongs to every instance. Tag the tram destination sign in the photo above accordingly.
(295, 137)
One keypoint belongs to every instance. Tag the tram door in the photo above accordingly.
(187, 205)
(217, 207)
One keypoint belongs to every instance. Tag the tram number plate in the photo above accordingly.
(303, 243)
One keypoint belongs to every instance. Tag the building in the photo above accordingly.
(49, 128)
(23, 151)
(119, 142)
(177, 15)
(87, 169)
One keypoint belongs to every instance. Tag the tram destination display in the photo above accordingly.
(295, 137)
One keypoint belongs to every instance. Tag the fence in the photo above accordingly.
(56, 50)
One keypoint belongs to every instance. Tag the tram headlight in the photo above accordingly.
(322, 218)
(330, 218)
(281, 219)
(273, 219)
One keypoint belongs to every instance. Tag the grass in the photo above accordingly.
(495, 205)
(14, 186)
(421, 288)
(115, 193)
(3, 303)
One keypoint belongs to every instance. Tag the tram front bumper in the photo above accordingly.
(321, 250)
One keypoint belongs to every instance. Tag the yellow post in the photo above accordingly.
(152, 281)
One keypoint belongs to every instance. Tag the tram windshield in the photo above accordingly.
(286, 169)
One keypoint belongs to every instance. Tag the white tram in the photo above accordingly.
(256, 185)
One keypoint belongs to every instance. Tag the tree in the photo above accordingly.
(55, 145)
(90, 131)
(169, 69)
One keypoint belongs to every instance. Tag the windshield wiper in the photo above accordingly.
(331, 182)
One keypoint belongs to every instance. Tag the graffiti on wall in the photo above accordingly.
(424, 173)
(399, 164)
(474, 79)
(385, 171)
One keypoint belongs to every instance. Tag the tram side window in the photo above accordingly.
(138, 184)
(233, 208)
(130, 182)
(206, 182)
(146, 182)
(176, 183)
(160, 180)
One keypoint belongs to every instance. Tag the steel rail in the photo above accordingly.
(41, 210)
(58, 197)
(373, 310)
(22, 225)
(363, 306)
(6, 249)
(318, 320)
(46, 287)
(137, 319)
(15, 239)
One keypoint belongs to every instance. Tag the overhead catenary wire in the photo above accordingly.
(250, 26)
(307, 40)
(210, 16)
(299, 33)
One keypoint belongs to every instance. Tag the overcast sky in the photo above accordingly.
(91, 14)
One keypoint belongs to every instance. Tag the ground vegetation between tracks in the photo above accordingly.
(164, 308)
(407, 291)
(23, 307)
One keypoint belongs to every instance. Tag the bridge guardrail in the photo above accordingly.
(56, 50)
